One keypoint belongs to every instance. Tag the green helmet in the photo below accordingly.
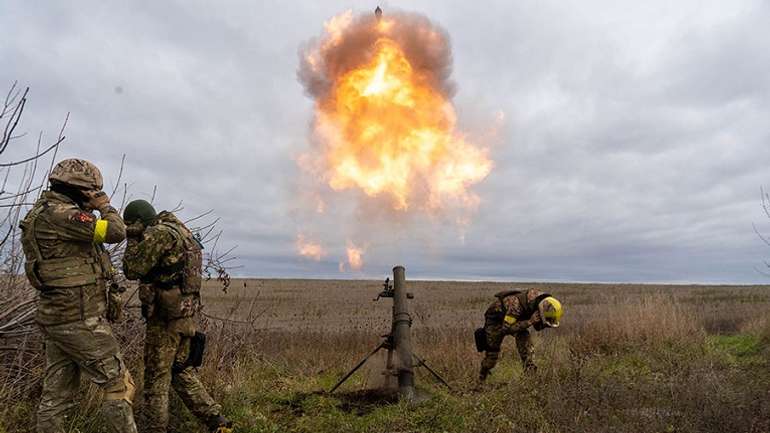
(139, 210)
(78, 173)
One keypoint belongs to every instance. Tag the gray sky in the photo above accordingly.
(635, 140)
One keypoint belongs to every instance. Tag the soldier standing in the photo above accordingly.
(67, 263)
(513, 313)
(165, 256)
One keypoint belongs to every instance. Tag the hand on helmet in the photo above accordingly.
(98, 200)
(135, 230)
(535, 319)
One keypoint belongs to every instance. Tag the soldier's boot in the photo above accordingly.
(194, 395)
(117, 407)
(220, 424)
(483, 374)
(487, 364)
(526, 351)
(119, 415)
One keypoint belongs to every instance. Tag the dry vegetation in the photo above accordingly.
(629, 358)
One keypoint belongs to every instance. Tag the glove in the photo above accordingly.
(115, 302)
(98, 200)
(114, 307)
(135, 230)
(535, 319)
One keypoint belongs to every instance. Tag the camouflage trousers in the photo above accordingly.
(495, 336)
(88, 347)
(163, 346)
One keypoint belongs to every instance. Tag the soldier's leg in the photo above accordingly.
(117, 408)
(92, 346)
(495, 337)
(60, 385)
(190, 389)
(160, 348)
(526, 350)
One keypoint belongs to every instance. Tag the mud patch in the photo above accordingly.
(363, 402)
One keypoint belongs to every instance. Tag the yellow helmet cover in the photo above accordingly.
(550, 311)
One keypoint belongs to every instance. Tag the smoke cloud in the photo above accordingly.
(350, 41)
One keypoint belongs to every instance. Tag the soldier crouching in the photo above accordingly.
(165, 256)
(67, 263)
(513, 313)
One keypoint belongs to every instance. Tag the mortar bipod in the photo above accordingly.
(401, 359)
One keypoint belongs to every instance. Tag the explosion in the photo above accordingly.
(384, 121)
(355, 258)
(384, 125)
(309, 249)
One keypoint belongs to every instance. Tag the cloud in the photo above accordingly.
(634, 143)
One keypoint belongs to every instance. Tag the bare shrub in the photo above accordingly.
(23, 178)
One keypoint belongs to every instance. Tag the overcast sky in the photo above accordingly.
(635, 141)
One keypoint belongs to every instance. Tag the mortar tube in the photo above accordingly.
(402, 339)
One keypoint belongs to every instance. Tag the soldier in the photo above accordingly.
(513, 313)
(165, 256)
(67, 263)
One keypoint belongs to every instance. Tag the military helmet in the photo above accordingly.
(139, 210)
(78, 173)
(550, 311)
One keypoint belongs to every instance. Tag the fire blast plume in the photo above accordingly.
(384, 123)
(309, 249)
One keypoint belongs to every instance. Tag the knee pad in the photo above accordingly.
(123, 389)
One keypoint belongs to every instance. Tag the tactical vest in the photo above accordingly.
(181, 298)
(45, 274)
(191, 265)
(528, 308)
(72, 287)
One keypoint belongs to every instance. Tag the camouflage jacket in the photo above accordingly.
(65, 257)
(512, 310)
(161, 260)
(156, 257)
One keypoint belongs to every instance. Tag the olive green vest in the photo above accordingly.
(71, 288)
(180, 297)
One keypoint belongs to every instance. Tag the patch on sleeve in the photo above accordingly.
(83, 217)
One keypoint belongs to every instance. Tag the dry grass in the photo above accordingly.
(628, 358)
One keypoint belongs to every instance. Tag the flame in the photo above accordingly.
(386, 125)
(309, 249)
(355, 258)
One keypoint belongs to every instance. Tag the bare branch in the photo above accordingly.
(32, 158)
(56, 151)
(19, 194)
(120, 175)
(203, 215)
(13, 121)
(177, 208)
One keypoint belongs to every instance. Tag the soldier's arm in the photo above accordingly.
(75, 224)
(516, 326)
(511, 322)
(143, 255)
(110, 228)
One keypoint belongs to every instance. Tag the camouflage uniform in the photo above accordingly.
(510, 314)
(158, 258)
(67, 263)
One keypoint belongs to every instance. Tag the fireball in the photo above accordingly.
(385, 122)
(310, 249)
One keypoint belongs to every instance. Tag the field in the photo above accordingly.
(628, 358)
